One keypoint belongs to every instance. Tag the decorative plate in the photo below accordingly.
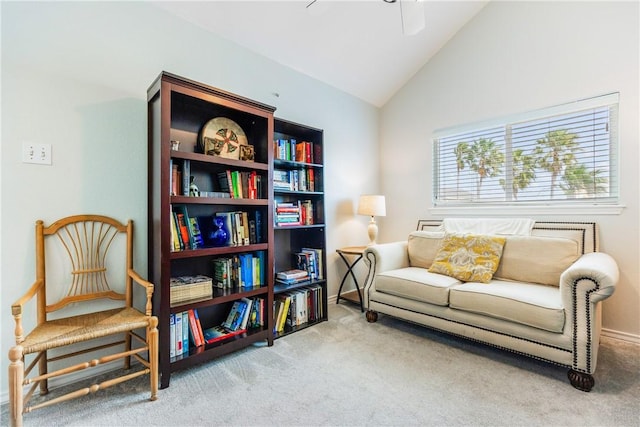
(222, 137)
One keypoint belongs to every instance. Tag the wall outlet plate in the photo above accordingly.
(39, 154)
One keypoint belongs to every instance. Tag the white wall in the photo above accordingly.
(75, 75)
(515, 57)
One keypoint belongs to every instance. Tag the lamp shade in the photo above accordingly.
(371, 205)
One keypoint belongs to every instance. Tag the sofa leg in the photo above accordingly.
(580, 380)
(372, 316)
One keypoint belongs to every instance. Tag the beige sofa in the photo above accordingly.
(542, 302)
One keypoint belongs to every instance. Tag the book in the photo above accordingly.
(175, 239)
(290, 282)
(185, 332)
(234, 318)
(194, 228)
(193, 329)
(221, 273)
(258, 219)
(186, 177)
(292, 274)
(282, 314)
(219, 333)
(199, 326)
(172, 335)
(223, 183)
(178, 333)
(247, 313)
(245, 226)
(183, 229)
(175, 179)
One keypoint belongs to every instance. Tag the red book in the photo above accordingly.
(193, 327)
(184, 231)
(199, 325)
(219, 333)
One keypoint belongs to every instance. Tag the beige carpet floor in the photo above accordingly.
(347, 372)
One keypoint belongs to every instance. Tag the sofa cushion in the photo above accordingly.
(530, 304)
(422, 247)
(468, 257)
(536, 259)
(417, 284)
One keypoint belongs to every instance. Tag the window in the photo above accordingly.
(565, 154)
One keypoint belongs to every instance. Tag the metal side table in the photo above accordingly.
(351, 255)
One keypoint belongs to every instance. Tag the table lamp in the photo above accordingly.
(372, 205)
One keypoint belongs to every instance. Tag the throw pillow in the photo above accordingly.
(468, 257)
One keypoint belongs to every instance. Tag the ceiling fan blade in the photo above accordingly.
(412, 15)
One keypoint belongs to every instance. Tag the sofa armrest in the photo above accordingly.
(597, 268)
(387, 256)
(589, 280)
(383, 257)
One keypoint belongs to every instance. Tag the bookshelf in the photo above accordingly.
(185, 181)
(299, 225)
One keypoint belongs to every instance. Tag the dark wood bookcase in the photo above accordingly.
(290, 240)
(178, 109)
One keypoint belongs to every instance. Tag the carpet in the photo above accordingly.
(347, 372)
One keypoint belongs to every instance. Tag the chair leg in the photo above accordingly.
(16, 378)
(127, 346)
(43, 368)
(152, 342)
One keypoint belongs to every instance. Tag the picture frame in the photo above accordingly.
(247, 153)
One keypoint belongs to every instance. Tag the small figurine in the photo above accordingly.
(193, 188)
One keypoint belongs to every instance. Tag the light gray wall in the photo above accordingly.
(515, 57)
(75, 75)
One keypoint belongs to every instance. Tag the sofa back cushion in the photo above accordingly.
(532, 259)
(422, 247)
(536, 259)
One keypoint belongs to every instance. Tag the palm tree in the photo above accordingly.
(555, 152)
(524, 172)
(461, 153)
(485, 159)
(579, 179)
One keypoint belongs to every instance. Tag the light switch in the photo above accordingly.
(36, 153)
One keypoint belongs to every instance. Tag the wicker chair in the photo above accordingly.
(85, 241)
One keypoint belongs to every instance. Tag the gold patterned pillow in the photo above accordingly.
(468, 257)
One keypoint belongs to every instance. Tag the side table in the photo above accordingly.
(356, 253)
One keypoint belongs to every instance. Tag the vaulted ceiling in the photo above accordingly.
(357, 46)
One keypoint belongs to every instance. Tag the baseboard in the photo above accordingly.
(623, 336)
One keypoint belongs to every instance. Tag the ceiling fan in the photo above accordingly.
(411, 15)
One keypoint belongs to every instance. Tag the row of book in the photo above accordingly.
(294, 180)
(231, 183)
(190, 288)
(185, 328)
(243, 270)
(294, 150)
(292, 277)
(299, 212)
(241, 184)
(297, 307)
(310, 260)
(307, 266)
(235, 228)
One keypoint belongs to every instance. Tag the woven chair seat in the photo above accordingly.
(75, 329)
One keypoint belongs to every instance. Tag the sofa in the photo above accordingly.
(542, 300)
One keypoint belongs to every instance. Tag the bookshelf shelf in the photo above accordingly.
(187, 187)
(299, 241)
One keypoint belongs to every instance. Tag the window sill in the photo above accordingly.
(574, 210)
